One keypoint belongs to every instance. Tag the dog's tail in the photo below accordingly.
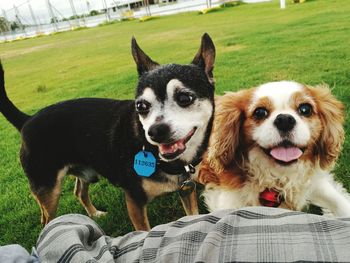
(10, 111)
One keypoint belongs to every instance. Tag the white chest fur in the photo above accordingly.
(294, 186)
(316, 187)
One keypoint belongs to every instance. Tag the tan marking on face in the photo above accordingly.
(250, 122)
(328, 127)
(313, 122)
(263, 102)
(299, 98)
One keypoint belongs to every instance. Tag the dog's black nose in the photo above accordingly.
(284, 122)
(159, 132)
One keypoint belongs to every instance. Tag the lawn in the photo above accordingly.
(257, 43)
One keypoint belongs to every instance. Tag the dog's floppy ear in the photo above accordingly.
(226, 134)
(144, 63)
(205, 57)
(331, 113)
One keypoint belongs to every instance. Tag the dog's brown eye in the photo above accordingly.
(142, 107)
(305, 109)
(260, 113)
(184, 99)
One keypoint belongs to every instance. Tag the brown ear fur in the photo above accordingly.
(143, 62)
(331, 114)
(225, 136)
(205, 57)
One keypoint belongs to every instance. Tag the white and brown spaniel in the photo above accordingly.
(275, 145)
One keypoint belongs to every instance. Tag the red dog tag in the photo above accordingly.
(270, 198)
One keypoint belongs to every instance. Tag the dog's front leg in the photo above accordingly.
(330, 195)
(137, 213)
(189, 203)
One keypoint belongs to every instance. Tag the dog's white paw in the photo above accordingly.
(99, 214)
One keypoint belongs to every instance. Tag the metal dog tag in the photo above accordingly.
(187, 187)
(145, 163)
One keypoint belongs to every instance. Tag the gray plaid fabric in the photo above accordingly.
(254, 234)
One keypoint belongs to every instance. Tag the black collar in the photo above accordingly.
(178, 167)
(183, 171)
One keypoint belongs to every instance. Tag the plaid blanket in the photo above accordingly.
(254, 234)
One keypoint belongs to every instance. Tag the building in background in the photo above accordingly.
(21, 26)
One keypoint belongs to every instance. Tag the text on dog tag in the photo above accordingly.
(145, 163)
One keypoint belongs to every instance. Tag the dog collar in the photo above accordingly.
(185, 182)
(177, 167)
(146, 168)
(270, 198)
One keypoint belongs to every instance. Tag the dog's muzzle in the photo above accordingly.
(159, 132)
(175, 148)
(284, 122)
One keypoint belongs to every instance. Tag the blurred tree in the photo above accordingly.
(94, 13)
(54, 20)
(15, 25)
(4, 25)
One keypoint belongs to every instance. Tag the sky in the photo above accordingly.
(60, 7)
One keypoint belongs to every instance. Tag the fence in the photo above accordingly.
(24, 21)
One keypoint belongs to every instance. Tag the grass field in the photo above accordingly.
(257, 43)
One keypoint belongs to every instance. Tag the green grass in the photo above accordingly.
(307, 42)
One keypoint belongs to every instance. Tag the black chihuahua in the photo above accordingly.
(148, 146)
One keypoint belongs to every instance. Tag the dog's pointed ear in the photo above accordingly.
(225, 139)
(143, 62)
(205, 57)
(331, 113)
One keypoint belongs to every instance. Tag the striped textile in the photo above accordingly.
(254, 234)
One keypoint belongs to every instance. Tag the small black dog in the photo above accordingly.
(148, 146)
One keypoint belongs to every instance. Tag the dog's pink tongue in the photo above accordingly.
(286, 154)
(172, 148)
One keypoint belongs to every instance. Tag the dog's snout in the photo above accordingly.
(284, 122)
(159, 132)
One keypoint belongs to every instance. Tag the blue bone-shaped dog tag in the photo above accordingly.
(145, 163)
